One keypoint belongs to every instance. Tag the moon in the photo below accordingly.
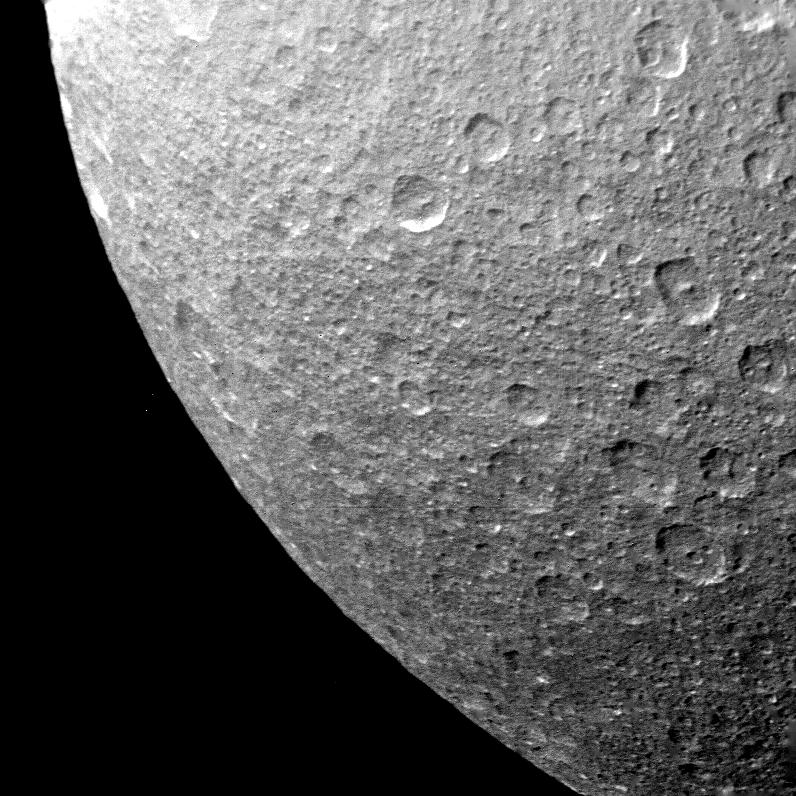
(487, 309)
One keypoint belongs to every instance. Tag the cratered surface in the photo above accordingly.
(487, 308)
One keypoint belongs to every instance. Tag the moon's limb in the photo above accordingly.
(489, 311)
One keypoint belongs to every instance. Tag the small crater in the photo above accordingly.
(518, 394)
(560, 599)
(530, 407)
(688, 769)
(412, 398)
(638, 472)
(562, 116)
(630, 162)
(662, 49)
(691, 553)
(325, 40)
(185, 316)
(644, 393)
(457, 319)
(686, 291)
(418, 203)
(765, 366)
(759, 169)
(592, 582)
(589, 207)
(519, 473)
(511, 658)
(487, 138)
(717, 464)
(285, 57)
(723, 471)
(659, 141)
(621, 452)
(738, 557)
(463, 255)
(506, 463)
(786, 107)
(323, 442)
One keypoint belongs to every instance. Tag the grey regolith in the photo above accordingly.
(488, 310)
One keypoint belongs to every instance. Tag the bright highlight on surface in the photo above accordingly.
(425, 224)
(64, 15)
